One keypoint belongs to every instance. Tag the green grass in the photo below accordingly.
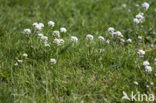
(82, 73)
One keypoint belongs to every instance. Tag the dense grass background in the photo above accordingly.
(82, 73)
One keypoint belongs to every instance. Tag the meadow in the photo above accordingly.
(76, 51)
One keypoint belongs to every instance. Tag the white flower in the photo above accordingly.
(56, 41)
(146, 63)
(107, 41)
(16, 64)
(147, 86)
(140, 37)
(56, 34)
(141, 53)
(151, 83)
(74, 39)
(20, 61)
(89, 37)
(53, 61)
(45, 38)
(25, 55)
(155, 59)
(41, 25)
(122, 40)
(38, 26)
(129, 40)
(27, 31)
(61, 41)
(101, 38)
(145, 5)
(35, 24)
(63, 30)
(51, 23)
(111, 29)
(148, 68)
(137, 5)
(118, 33)
(124, 5)
(135, 20)
(136, 83)
(40, 35)
(46, 44)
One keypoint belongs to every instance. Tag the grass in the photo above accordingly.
(82, 73)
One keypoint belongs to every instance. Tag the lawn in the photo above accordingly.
(91, 51)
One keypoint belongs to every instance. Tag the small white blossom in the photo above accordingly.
(141, 53)
(124, 5)
(56, 34)
(63, 30)
(152, 83)
(147, 86)
(25, 55)
(146, 63)
(148, 68)
(53, 61)
(38, 26)
(44, 38)
(16, 64)
(101, 38)
(89, 37)
(40, 35)
(57, 42)
(20, 61)
(118, 33)
(27, 31)
(122, 40)
(108, 41)
(145, 5)
(140, 37)
(129, 40)
(136, 83)
(111, 29)
(135, 20)
(61, 41)
(46, 44)
(41, 25)
(74, 39)
(51, 23)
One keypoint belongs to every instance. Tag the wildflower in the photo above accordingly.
(147, 86)
(124, 5)
(38, 26)
(101, 38)
(137, 5)
(89, 37)
(151, 83)
(118, 33)
(61, 41)
(16, 64)
(51, 23)
(136, 83)
(35, 24)
(41, 25)
(148, 68)
(56, 41)
(46, 44)
(27, 31)
(155, 59)
(45, 38)
(25, 55)
(111, 29)
(40, 35)
(146, 63)
(20, 61)
(129, 40)
(145, 5)
(135, 20)
(122, 40)
(141, 53)
(63, 30)
(140, 37)
(56, 34)
(53, 61)
(74, 39)
(107, 41)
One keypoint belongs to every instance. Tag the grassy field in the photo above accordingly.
(86, 71)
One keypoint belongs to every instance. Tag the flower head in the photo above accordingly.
(141, 53)
(89, 37)
(27, 31)
(74, 39)
(111, 29)
(145, 5)
(63, 30)
(51, 23)
(148, 68)
(101, 38)
(53, 61)
(25, 55)
(146, 63)
(56, 34)
(129, 40)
